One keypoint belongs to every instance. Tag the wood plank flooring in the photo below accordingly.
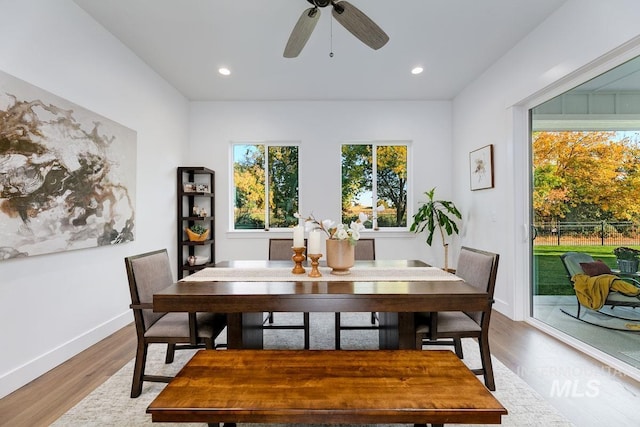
(581, 388)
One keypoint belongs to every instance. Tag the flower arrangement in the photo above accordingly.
(336, 231)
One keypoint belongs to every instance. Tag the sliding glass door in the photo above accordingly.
(585, 182)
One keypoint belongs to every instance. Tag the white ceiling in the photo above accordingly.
(186, 41)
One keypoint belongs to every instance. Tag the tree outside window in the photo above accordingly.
(374, 181)
(265, 186)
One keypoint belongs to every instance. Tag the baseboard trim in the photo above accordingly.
(22, 375)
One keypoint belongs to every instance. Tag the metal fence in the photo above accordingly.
(587, 233)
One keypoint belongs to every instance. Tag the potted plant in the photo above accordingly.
(627, 259)
(440, 215)
(197, 233)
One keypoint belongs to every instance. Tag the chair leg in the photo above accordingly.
(457, 345)
(271, 317)
(373, 317)
(171, 350)
(305, 321)
(138, 370)
(337, 322)
(487, 366)
(418, 341)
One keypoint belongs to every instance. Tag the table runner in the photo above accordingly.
(284, 274)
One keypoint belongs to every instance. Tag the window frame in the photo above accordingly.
(232, 186)
(374, 185)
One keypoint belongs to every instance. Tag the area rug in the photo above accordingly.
(110, 404)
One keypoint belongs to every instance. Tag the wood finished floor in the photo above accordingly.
(581, 388)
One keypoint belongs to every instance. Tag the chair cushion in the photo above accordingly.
(448, 322)
(176, 325)
(595, 268)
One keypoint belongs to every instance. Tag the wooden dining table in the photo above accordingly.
(395, 300)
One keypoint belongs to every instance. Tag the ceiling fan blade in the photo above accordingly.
(301, 32)
(359, 24)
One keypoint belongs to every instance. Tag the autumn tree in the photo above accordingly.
(585, 176)
(392, 179)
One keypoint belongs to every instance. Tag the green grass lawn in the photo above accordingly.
(550, 277)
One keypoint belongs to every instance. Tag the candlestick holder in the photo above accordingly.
(297, 258)
(314, 265)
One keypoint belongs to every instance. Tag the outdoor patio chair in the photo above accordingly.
(582, 263)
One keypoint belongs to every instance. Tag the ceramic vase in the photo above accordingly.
(340, 256)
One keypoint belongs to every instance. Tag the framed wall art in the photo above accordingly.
(67, 174)
(481, 168)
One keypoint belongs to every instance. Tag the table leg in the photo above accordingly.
(244, 330)
(397, 331)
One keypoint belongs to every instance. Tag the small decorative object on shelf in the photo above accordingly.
(202, 188)
(197, 233)
(203, 213)
(298, 257)
(191, 260)
(196, 210)
(189, 187)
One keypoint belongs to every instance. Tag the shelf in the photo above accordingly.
(186, 201)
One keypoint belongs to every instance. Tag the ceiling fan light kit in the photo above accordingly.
(349, 16)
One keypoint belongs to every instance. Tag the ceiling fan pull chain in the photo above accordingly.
(331, 38)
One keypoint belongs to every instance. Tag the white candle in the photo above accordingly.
(314, 242)
(298, 236)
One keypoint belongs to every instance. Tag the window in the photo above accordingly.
(265, 187)
(374, 181)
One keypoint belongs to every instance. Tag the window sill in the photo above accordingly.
(284, 233)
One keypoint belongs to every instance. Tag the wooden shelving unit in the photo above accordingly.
(186, 217)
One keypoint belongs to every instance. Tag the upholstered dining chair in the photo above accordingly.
(477, 268)
(149, 273)
(365, 250)
(280, 249)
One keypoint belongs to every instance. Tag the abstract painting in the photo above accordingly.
(67, 175)
(481, 168)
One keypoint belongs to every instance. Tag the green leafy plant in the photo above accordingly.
(198, 229)
(440, 215)
(628, 254)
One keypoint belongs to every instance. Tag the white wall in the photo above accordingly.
(490, 111)
(321, 127)
(54, 306)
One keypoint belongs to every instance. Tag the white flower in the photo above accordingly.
(362, 217)
(327, 224)
(355, 235)
(341, 234)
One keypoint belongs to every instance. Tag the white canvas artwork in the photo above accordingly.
(67, 175)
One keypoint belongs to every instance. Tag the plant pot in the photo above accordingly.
(193, 237)
(340, 256)
(627, 266)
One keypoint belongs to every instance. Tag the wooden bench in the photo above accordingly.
(326, 387)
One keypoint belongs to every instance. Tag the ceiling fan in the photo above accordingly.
(356, 22)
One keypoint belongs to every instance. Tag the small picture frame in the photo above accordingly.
(481, 168)
(202, 188)
(189, 187)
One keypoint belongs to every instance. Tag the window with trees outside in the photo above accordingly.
(265, 185)
(374, 181)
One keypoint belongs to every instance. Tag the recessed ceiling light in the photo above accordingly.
(417, 70)
(224, 71)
